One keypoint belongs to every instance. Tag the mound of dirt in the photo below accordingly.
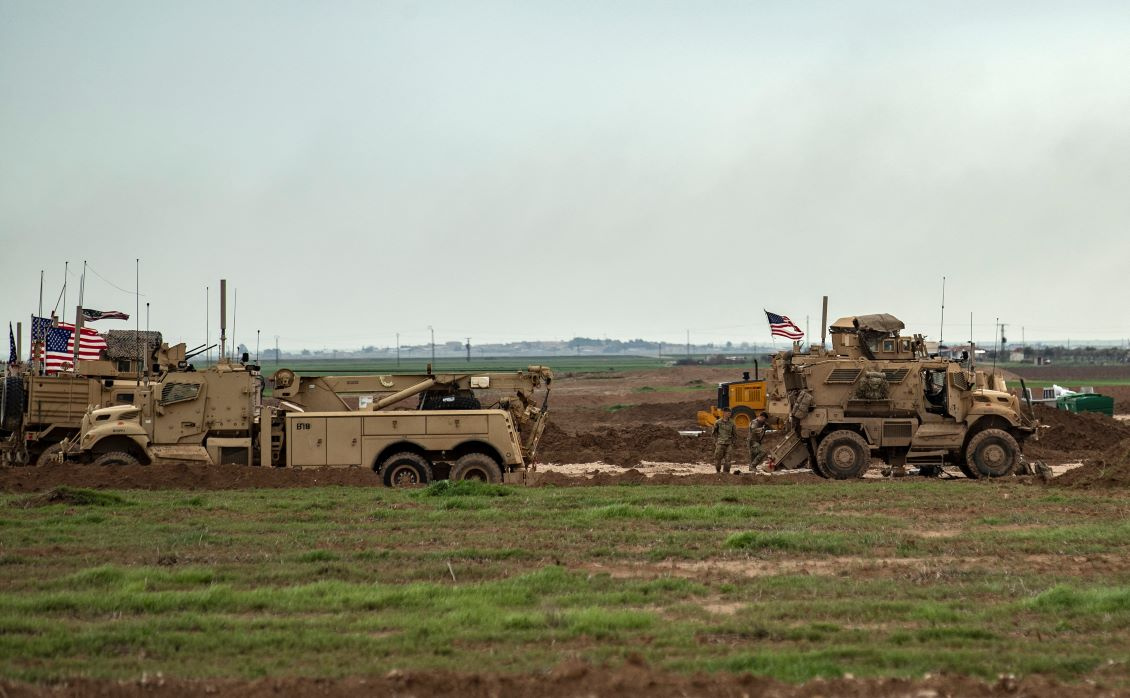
(1071, 435)
(676, 414)
(624, 446)
(1110, 469)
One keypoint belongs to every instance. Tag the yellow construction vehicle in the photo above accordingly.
(745, 398)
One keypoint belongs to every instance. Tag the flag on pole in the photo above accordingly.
(89, 315)
(782, 326)
(60, 344)
(12, 358)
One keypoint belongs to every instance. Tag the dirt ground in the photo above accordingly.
(568, 679)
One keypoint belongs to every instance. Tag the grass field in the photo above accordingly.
(794, 581)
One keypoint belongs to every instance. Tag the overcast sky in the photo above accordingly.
(540, 170)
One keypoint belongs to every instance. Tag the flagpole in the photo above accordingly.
(137, 314)
(35, 339)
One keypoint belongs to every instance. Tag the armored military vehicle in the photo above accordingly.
(40, 411)
(877, 392)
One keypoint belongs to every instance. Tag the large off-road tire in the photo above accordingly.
(52, 455)
(406, 470)
(116, 458)
(448, 401)
(13, 404)
(843, 455)
(743, 417)
(965, 469)
(476, 466)
(992, 453)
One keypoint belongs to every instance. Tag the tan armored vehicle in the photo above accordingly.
(40, 411)
(877, 392)
(218, 416)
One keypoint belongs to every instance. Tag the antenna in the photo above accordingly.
(207, 322)
(999, 345)
(234, 312)
(137, 315)
(942, 326)
(223, 318)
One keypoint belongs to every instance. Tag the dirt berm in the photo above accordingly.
(1109, 469)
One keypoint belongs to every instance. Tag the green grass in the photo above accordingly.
(794, 581)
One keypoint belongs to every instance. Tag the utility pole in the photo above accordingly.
(276, 351)
(433, 346)
(468, 350)
(257, 346)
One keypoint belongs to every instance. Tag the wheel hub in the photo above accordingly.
(843, 457)
(404, 476)
(994, 456)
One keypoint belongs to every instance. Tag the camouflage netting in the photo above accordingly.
(874, 386)
(123, 344)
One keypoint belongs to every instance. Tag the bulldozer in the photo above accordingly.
(744, 398)
(879, 393)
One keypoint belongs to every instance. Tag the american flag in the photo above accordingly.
(782, 326)
(90, 315)
(60, 344)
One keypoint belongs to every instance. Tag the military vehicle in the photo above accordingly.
(218, 416)
(40, 411)
(744, 398)
(877, 392)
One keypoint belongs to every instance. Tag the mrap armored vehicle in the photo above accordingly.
(218, 416)
(877, 392)
(39, 412)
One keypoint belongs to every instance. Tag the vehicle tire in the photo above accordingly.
(116, 458)
(405, 470)
(476, 466)
(743, 417)
(13, 404)
(843, 455)
(52, 455)
(448, 401)
(965, 469)
(992, 453)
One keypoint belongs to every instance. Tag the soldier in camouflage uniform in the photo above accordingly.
(724, 433)
(756, 436)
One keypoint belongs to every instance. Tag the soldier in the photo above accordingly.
(723, 438)
(756, 436)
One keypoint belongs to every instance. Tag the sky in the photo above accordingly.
(531, 170)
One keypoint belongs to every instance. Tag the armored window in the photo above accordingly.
(179, 392)
(906, 345)
(889, 345)
(958, 381)
(124, 398)
(124, 366)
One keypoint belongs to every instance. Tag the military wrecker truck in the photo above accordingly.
(219, 417)
(877, 392)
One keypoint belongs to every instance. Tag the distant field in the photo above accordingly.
(789, 581)
(559, 364)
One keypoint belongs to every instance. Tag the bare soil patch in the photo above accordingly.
(572, 678)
